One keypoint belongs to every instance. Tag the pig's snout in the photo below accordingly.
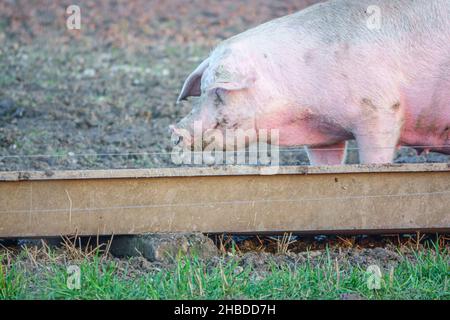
(176, 140)
(175, 137)
(179, 136)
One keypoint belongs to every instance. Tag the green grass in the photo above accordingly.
(191, 278)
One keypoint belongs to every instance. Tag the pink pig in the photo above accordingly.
(377, 71)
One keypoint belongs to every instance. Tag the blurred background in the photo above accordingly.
(103, 96)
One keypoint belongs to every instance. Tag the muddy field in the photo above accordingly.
(384, 251)
(259, 252)
(103, 96)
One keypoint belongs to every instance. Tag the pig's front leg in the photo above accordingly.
(327, 155)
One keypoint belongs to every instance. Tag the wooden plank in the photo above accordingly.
(234, 199)
(217, 171)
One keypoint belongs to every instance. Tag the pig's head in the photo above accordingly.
(227, 99)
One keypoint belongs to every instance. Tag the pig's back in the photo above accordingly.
(347, 20)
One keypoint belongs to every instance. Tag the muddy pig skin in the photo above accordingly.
(377, 71)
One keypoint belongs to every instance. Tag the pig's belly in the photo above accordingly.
(427, 119)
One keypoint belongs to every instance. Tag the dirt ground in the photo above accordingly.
(260, 252)
(103, 96)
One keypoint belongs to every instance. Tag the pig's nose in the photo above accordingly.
(176, 138)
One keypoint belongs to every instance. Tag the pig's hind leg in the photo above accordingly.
(327, 155)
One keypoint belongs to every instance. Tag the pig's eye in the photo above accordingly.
(219, 95)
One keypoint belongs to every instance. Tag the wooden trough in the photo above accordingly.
(342, 199)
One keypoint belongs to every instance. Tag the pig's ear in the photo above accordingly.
(191, 87)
